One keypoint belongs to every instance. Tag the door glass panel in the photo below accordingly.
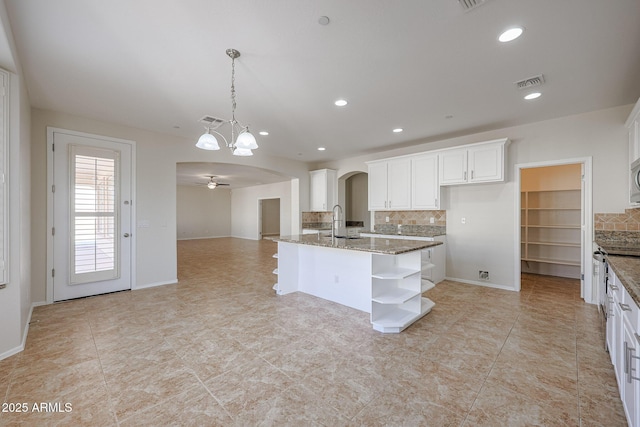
(94, 221)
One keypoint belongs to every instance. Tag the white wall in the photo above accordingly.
(486, 241)
(15, 299)
(245, 208)
(156, 158)
(203, 213)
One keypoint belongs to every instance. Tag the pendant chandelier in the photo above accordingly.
(242, 142)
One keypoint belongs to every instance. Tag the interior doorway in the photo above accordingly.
(356, 201)
(268, 218)
(555, 222)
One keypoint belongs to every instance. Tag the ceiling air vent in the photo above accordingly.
(211, 121)
(530, 82)
(467, 5)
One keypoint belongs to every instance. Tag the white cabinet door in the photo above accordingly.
(425, 190)
(453, 167)
(485, 163)
(634, 140)
(378, 186)
(322, 190)
(399, 184)
(631, 369)
(318, 191)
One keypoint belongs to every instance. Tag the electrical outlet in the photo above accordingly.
(463, 220)
(386, 219)
(483, 275)
(432, 220)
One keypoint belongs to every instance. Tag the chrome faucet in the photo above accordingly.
(335, 219)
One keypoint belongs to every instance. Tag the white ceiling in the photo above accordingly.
(237, 176)
(161, 65)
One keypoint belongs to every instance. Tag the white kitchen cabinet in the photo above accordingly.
(623, 343)
(475, 163)
(323, 190)
(425, 188)
(631, 380)
(633, 126)
(390, 185)
(453, 167)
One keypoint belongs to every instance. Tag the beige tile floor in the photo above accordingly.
(220, 348)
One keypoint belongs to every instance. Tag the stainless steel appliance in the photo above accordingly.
(634, 197)
(600, 263)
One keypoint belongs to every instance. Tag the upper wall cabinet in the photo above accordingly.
(390, 185)
(323, 190)
(476, 163)
(413, 181)
(633, 125)
(425, 190)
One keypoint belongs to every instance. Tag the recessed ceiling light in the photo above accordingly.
(532, 95)
(263, 133)
(341, 102)
(398, 130)
(321, 148)
(510, 34)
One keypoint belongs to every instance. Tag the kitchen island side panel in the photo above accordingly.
(338, 275)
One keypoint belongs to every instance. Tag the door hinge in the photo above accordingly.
(53, 147)
(53, 231)
(582, 276)
(53, 272)
(53, 188)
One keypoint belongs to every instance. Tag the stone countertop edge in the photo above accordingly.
(363, 244)
(405, 234)
(627, 268)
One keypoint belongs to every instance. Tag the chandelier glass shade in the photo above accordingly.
(242, 142)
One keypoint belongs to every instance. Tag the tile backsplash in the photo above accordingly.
(627, 221)
(316, 217)
(411, 217)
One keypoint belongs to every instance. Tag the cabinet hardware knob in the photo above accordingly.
(614, 287)
(126, 234)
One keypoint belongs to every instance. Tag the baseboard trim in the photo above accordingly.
(155, 284)
(22, 345)
(201, 238)
(485, 284)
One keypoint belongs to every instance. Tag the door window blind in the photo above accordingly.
(94, 222)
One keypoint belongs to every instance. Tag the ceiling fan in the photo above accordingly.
(212, 184)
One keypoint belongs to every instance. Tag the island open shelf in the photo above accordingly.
(379, 276)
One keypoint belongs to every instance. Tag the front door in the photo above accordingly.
(91, 233)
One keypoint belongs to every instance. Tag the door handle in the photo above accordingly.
(126, 234)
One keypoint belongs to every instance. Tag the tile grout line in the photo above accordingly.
(490, 370)
(104, 378)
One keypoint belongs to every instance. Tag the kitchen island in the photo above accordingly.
(376, 275)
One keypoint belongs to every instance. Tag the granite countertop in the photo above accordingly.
(366, 244)
(328, 227)
(620, 248)
(427, 233)
(627, 269)
(623, 256)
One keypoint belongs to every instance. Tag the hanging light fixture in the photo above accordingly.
(242, 141)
